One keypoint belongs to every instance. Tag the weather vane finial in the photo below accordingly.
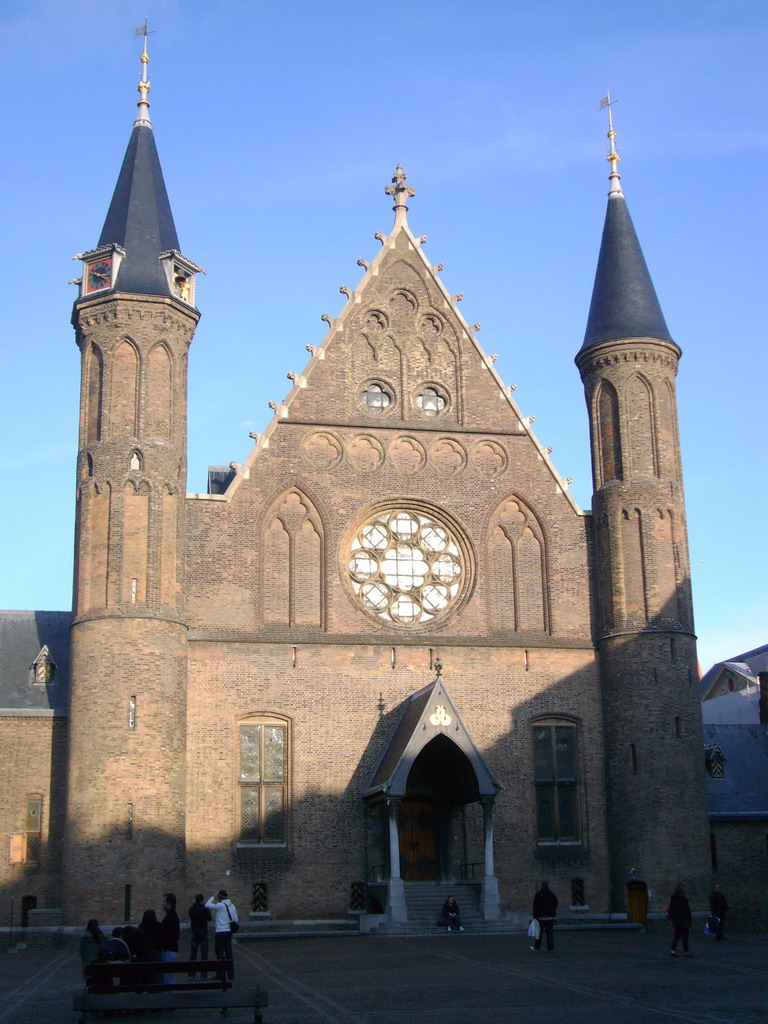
(400, 193)
(613, 157)
(143, 115)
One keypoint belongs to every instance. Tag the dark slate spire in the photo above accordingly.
(139, 217)
(624, 303)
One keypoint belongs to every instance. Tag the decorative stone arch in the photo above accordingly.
(667, 575)
(158, 373)
(633, 565)
(607, 420)
(429, 768)
(668, 433)
(639, 425)
(517, 561)
(93, 399)
(125, 370)
(94, 517)
(292, 557)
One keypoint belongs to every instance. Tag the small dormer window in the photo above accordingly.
(43, 667)
(100, 267)
(180, 274)
(714, 759)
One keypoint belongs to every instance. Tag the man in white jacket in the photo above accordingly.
(224, 913)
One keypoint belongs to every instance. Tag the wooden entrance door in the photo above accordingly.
(417, 827)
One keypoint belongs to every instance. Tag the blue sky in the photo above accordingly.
(278, 125)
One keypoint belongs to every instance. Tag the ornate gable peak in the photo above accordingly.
(428, 714)
(402, 241)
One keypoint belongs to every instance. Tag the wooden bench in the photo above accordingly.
(138, 986)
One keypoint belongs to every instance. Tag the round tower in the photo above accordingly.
(656, 795)
(134, 320)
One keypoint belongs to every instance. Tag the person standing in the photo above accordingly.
(679, 913)
(91, 942)
(168, 935)
(224, 914)
(544, 910)
(199, 918)
(717, 908)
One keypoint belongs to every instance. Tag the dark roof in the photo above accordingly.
(624, 303)
(414, 731)
(140, 218)
(22, 637)
(743, 791)
(219, 479)
(757, 659)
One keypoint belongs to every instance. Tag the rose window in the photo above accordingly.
(406, 567)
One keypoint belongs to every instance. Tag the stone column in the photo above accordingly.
(396, 907)
(489, 897)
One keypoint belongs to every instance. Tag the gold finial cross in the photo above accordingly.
(613, 157)
(144, 84)
(398, 189)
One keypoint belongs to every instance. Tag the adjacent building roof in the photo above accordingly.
(23, 635)
(624, 302)
(742, 792)
(746, 665)
(140, 219)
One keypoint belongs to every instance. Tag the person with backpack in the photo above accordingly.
(225, 922)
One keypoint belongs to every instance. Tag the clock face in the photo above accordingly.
(99, 275)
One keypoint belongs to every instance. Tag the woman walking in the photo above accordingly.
(679, 913)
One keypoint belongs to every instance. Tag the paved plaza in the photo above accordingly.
(593, 978)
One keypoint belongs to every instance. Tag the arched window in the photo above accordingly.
(263, 781)
(555, 774)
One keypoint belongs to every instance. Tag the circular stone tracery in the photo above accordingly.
(406, 567)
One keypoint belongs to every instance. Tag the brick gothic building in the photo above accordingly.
(255, 685)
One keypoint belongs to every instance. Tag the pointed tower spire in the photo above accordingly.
(139, 220)
(134, 322)
(624, 302)
(644, 616)
(400, 192)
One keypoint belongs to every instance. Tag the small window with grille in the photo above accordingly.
(555, 772)
(32, 830)
(430, 401)
(376, 397)
(263, 781)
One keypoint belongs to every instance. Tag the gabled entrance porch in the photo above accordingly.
(430, 805)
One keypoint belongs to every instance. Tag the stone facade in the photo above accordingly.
(241, 660)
